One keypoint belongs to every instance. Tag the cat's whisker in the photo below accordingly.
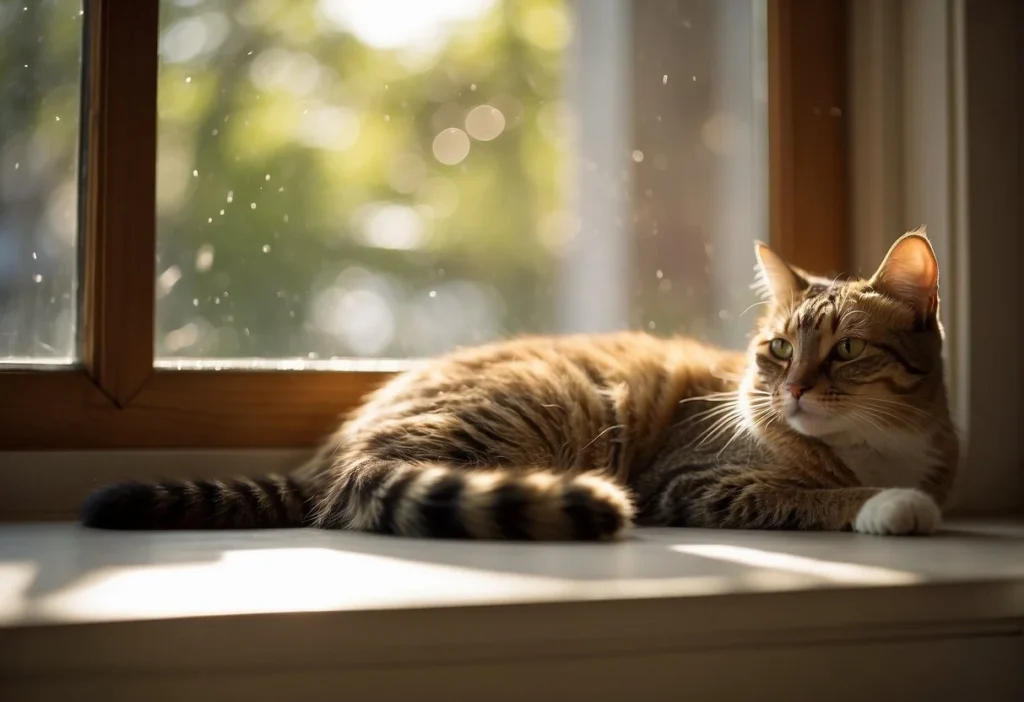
(756, 419)
(720, 426)
(895, 404)
(856, 415)
(716, 397)
(734, 403)
(713, 412)
(889, 413)
(723, 409)
(725, 424)
(723, 396)
(738, 432)
(756, 304)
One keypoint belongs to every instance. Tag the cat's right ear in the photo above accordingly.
(776, 278)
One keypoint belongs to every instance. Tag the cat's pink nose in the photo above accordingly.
(796, 390)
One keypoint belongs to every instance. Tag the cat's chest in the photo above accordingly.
(904, 467)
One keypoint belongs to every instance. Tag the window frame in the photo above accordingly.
(116, 398)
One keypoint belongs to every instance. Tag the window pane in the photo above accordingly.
(389, 179)
(40, 80)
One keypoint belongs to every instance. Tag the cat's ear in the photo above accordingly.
(910, 273)
(776, 278)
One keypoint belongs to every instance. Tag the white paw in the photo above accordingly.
(898, 511)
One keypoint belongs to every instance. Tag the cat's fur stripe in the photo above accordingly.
(433, 500)
(835, 417)
(266, 502)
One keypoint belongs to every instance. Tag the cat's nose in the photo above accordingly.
(796, 390)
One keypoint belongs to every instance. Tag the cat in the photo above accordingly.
(834, 418)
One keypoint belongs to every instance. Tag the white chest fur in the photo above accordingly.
(903, 461)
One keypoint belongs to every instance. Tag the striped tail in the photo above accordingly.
(245, 503)
(437, 501)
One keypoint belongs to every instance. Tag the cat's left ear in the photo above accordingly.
(776, 278)
(910, 273)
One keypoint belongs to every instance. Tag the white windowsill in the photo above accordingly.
(75, 602)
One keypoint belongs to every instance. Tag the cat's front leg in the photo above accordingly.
(898, 511)
(755, 504)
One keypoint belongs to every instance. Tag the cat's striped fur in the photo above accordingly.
(578, 437)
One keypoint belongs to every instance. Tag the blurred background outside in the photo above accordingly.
(390, 179)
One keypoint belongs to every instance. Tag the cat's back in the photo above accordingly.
(633, 359)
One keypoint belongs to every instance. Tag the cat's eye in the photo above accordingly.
(849, 348)
(781, 349)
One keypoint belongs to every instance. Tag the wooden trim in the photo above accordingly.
(177, 409)
(119, 236)
(807, 127)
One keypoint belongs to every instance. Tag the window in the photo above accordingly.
(283, 202)
(40, 73)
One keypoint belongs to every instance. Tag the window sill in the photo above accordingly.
(109, 612)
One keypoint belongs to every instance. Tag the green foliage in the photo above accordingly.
(304, 124)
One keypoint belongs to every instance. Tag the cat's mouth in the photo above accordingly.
(808, 420)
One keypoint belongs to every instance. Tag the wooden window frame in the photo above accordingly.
(116, 398)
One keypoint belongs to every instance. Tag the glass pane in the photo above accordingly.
(389, 179)
(40, 88)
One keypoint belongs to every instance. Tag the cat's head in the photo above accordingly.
(848, 362)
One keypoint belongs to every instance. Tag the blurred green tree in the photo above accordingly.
(315, 195)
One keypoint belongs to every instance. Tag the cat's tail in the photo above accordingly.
(267, 502)
(438, 501)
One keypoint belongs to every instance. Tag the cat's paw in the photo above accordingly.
(898, 511)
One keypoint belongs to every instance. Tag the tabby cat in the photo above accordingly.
(835, 417)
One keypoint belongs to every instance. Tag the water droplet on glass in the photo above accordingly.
(195, 302)
(659, 274)
(188, 79)
(252, 205)
(286, 219)
(472, 87)
(387, 118)
(266, 177)
(209, 220)
(35, 256)
(231, 195)
(58, 119)
(638, 155)
(433, 293)
(195, 173)
(222, 213)
(38, 278)
(266, 248)
(664, 79)
(204, 258)
(650, 325)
